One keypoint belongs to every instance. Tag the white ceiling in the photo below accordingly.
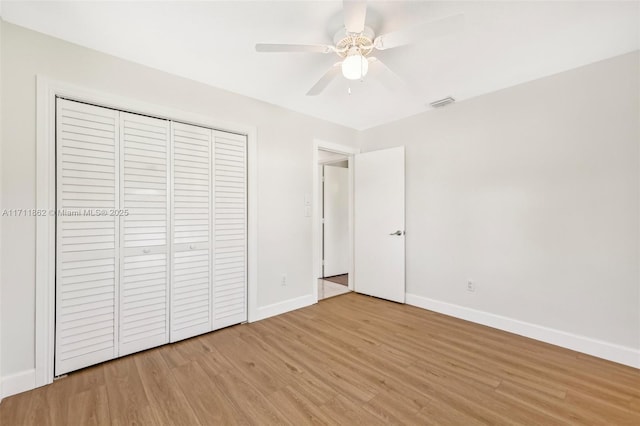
(501, 44)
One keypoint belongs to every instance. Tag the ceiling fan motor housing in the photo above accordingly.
(345, 42)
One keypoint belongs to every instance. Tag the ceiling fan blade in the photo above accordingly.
(324, 81)
(389, 79)
(309, 48)
(420, 32)
(355, 12)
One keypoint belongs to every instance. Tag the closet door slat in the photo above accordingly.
(191, 231)
(230, 230)
(144, 193)
(87, 241)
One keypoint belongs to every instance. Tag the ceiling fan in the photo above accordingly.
(355, 43)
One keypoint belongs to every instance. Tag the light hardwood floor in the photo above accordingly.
(348, 360)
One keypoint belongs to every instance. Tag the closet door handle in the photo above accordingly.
(192, 246)
(146, 250)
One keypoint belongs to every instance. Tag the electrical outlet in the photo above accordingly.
(471, 286)
(283, 279)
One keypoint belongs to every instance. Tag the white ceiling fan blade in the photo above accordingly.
(355, 12)
(309, 48)
(389, 79)
(420, 32)
(324, 81)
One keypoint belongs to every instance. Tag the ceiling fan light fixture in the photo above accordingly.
(355, 67)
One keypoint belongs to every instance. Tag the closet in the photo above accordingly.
(151, 235)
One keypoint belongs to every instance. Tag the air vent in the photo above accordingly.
(442, 102)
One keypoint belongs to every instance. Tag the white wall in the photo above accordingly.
(336, 220)
(285, 144)
(533, 193)
(1, 97)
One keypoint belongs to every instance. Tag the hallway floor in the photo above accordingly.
(328, 289)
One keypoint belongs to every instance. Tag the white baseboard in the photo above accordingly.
(282, 307)
(18, 382)
(598, 348)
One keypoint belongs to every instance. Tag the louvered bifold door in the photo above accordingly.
(87, 235)
(144, 273)
(191, 231)
(230, 230)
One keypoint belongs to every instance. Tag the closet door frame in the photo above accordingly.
(47, 90)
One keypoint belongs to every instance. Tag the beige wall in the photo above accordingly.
(533, 193)
(285, 143)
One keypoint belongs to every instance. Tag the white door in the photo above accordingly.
(191, 231)
(336, 220)
(230, 229)
(144, 254)
(379, 224)
(87, 240)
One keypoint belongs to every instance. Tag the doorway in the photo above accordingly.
(376, 245)
(334, 219)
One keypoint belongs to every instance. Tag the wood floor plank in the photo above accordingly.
(441, 414)
(616, 413)
(395, 408)
(333, 368)
(554, 407)
(251, 363)
(299, 410)
(206, 399)
(16, 409)
(128, 402)
(89, 407)
(248, 401)
(214, 363)
(350, 359)
(168, 402)
(49, 405)
(311, 382)
(344, 411)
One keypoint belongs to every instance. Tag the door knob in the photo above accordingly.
(397, 233)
